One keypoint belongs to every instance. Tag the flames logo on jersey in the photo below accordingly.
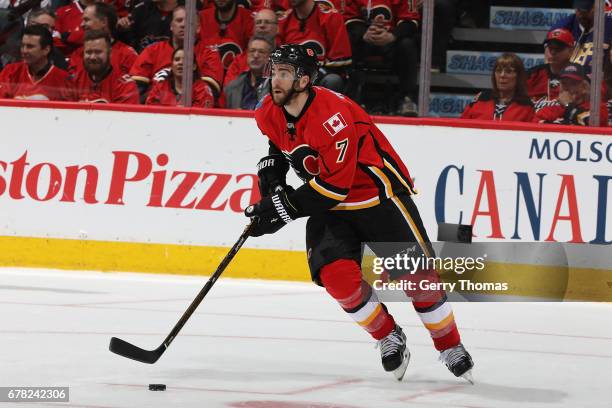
(228, 52)
(304, 161)
(316, 46)
(383, 11)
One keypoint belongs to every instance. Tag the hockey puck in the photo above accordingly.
(157, 387)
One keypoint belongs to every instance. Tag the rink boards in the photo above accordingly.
(161, 191)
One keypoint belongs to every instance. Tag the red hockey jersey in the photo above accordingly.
(276, 5)
(393, 11)
(557, 114)
(114, 88)
(122, 58)
(337, 149)
(323, 31)
(17, 83)
(68, 25)
(230, 38)
(543, 86)
(158, 56)
(485, 107)
(238, 66)
(163, 93)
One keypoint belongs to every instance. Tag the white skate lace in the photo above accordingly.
(390, 344)
(453, 355)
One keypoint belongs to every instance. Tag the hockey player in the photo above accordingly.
(353, 178)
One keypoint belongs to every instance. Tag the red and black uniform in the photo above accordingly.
(230, 37)
(114, 87)
(486, 107)
(54, 84)
(357, 190)
(68, 25)
(323, 31)
(238, 66)
(543, 86)
(401, 18)
(122, 57)
(158, 56)
(276, 5)
(349, 9)
(571, 114)
(164, 93)
(149, 24)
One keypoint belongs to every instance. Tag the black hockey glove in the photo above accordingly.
(272, 172)
(271, 213)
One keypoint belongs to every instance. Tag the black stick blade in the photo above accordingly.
(128, 350)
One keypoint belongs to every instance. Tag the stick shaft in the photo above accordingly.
(211, 281)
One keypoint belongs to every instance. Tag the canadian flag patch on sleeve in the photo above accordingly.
(334, 124)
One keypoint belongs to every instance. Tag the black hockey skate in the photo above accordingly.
(394, 353)
(459, 362)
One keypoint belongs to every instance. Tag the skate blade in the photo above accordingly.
(468, 377)
(401, 370)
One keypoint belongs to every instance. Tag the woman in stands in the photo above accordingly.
(167, 86)
(508, 100)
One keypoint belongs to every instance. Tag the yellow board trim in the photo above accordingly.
(151, 258)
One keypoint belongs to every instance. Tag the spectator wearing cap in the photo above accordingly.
(508, 100)
(543, 80)
(580, 24)
(572, 106)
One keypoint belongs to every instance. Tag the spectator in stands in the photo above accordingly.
(508, 100)
(101, 16)
(148, 22)
(572, 107)
(322, 29)
(227, 27)
(35, 77)
(543, 80)
(97, 80)
(266, 25)
(158, 56)
(167, 88)
(389, 32)
(45, 18)
(581, 26)
(68, 25)
(249, 87)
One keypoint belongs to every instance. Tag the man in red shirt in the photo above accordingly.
(68, 25)
(572, 106)
(158, 56)
(97, 80)
(35, 77)
(357, 189)
(227, 27)
(322, 29)
(543, 80)
(101, 16)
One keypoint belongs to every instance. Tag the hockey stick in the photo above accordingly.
(128, 350)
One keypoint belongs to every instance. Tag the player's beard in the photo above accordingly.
(286, 98)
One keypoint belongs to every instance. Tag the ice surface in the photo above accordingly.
(256, 344)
